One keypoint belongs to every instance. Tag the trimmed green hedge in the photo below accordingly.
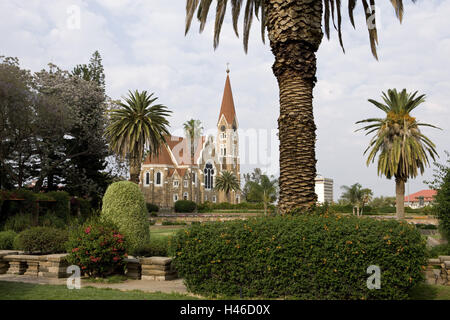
(41, 240)
(7, 240)
(152, 208)
(306, 257)
(155, 248)
(185, 206)
(125, 207)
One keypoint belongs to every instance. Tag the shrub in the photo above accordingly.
(18, 222)
(7, 240)
(124, 206)
(97, 248)
(151, 208)
(155, 248)
(51, 220)
(439, 250)
(307, 257)
(61, 208)
(43, 240)
(442, 205)
(185, 206)
(173, 223)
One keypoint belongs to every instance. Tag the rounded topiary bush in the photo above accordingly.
(97, 248)
(185, 206)
(306, 257)
(125, 207)
(7, 240)
(42, 240)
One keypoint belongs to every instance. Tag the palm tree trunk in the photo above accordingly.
(135, 170)
(295, 70)
(400, 198)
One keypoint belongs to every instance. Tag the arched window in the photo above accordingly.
(147, 179)
(209, 176)
(158, 179)
(186, 196)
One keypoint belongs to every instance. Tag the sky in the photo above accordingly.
(144, 47)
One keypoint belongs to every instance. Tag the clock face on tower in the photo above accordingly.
(223, 128)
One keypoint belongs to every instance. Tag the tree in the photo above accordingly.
(136, 127)
(227, 182)
(441, 183)
(93, 72)
(295, 33)
(381, 202)
(249, 178)
(401, 145)
(264, 190)
(356, 196)
(193, 130)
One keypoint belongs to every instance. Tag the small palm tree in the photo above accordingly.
(356, 196)
(193, 130)
(403, 149)
(294, 29)
(264, 189)
(137, 127)
(227, 182)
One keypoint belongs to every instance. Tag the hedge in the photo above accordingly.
(152, 208)
(155, 248)
(43, 240)
(442, 206)
(7, 240)
(305, 257)
(125, 207)
(185, 206)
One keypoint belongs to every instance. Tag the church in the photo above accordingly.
(172, 176)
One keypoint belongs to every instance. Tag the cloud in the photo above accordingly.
(144, 47)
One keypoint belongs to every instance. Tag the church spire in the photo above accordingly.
(227, 109)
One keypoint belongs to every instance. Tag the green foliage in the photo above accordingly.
(43, 240)
(155, 248)
(185, 206)
(439, 250)
(18, 222)
(305, 256)
(62, 205)
(442, 206)
(97, 248)
(124, 206)
(227, 182)
(425, 226)
(7, 240)
(152, 208)
(210, 207)
(173, 223)
(51, 220)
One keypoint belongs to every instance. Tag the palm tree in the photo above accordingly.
(227, 182)
(402, 147)
(265, 189)
(193, 130)
(355, 195)
(295, 33)
(137, 127)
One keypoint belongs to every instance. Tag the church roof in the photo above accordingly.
(227, 109)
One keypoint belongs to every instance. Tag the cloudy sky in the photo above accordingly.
(143, 47)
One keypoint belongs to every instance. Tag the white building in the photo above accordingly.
(324, 189)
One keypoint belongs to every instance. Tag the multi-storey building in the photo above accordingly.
(324, 189)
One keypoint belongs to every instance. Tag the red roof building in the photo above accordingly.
(420, 199)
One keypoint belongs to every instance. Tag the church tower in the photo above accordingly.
(227, 141)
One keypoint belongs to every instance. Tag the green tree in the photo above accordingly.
(193, 130)
(401, 146)
(357, 196)
(441, 183)
(227, 182)
(94, 71)
(136, 127)
(380, 202)
(264, 190)
(295, 33)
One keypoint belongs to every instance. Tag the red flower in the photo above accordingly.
(75, 250)
(116, 258)
(88, 230)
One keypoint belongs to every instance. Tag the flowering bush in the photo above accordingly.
(306, 257)
(97, 248)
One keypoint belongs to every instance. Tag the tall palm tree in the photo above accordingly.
(227, 182)
(401, 146)
(295, 33)
(137, 127)
(193, 130)
(356, 196)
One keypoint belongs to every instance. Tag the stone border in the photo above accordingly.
(438, 270)
(158, 268)
(48, 266)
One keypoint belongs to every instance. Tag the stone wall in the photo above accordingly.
(48, 266)
(438, 270)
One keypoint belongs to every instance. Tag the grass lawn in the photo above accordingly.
(430, 292)
(160, 232)
(26, 291)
